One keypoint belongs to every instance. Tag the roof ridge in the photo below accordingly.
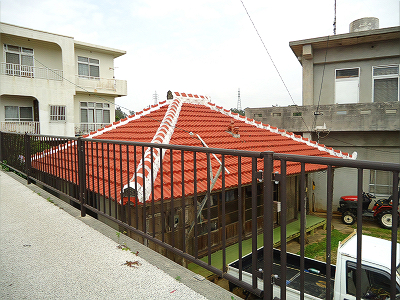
(291, 135)
(152, 155)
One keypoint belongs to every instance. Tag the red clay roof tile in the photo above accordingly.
(181, 122)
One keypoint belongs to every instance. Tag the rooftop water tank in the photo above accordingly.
(363, 24)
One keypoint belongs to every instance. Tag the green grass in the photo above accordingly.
(378, 232)
(318, 250)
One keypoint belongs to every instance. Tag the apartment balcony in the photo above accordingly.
(98, 85)
(30, 72)
(20, 126)
(85, 128)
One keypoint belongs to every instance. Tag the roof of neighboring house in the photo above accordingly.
(189, 120)
(347, 39)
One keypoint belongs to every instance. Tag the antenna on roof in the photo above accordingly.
(239, 103)
(155, 97)
(334, 20)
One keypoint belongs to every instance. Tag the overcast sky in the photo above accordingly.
(205, 47)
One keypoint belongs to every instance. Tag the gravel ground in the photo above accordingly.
(45, 253)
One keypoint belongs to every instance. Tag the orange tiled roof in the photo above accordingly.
(190, 120)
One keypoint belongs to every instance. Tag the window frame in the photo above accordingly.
(347, 79)
(94, 108)
(19, 69)
(89, 63)
(58, 113)
(18, 118)
(387, 76)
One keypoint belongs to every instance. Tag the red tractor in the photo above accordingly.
(381, 211)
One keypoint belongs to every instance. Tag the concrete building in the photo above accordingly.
(53, 84)
(350, 101)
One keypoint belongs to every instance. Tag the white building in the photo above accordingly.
(52, 84)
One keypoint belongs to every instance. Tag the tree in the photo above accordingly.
(119, 114)
(238, 111)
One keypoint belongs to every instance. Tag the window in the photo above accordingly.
(88, 67)
(386, 83)
(57, 113)
(375, 284)
(19, 61)
(347, 82)
(18, 114)
(92, 112)
(380, 183)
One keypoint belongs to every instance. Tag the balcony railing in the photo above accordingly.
(177, 217)
(30, 72)
(85, 128)
(20, 127)
(97, 84)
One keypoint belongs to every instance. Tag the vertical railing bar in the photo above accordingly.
(172, 220)
(87, 190)
(144, 225)
(129, 185)
(162, 196)
(109, 179)
(115, 182)
(103, 174)
(123, 213)
(152, 193)
(223, 215)
(359, 230)
(268, 225)
(329, 229)
(98, 177)
(395, 220)
(136, 186)
(195, 206)
(283, 223)
(209, 170)
(254, 220)
(240, 217)
(52, 161)
(183, 201)
(81, 171)
(27, 157)
(302, 227)
(93, 184)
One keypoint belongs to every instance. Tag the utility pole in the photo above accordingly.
(239, 103)
(155, 97)
(334, 21)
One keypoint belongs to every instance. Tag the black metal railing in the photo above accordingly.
(184, 215)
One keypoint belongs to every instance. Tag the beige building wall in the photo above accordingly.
(59, 53)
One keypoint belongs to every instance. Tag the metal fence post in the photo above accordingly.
(268, 158)
(81, 174)
(27, 146)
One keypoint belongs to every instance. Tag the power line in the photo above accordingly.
(273, 63)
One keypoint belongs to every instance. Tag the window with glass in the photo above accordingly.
(57, 113)
(92, 112)
(88, 67)
(347, 85)
(19, 61)
(380, 183)
(386, 83)
(375, 284)
(18, 113)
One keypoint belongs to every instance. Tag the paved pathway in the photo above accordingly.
(45, 253)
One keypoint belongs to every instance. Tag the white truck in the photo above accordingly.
(375, 272)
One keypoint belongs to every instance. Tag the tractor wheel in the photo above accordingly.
(385, 219)
(348, 218)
